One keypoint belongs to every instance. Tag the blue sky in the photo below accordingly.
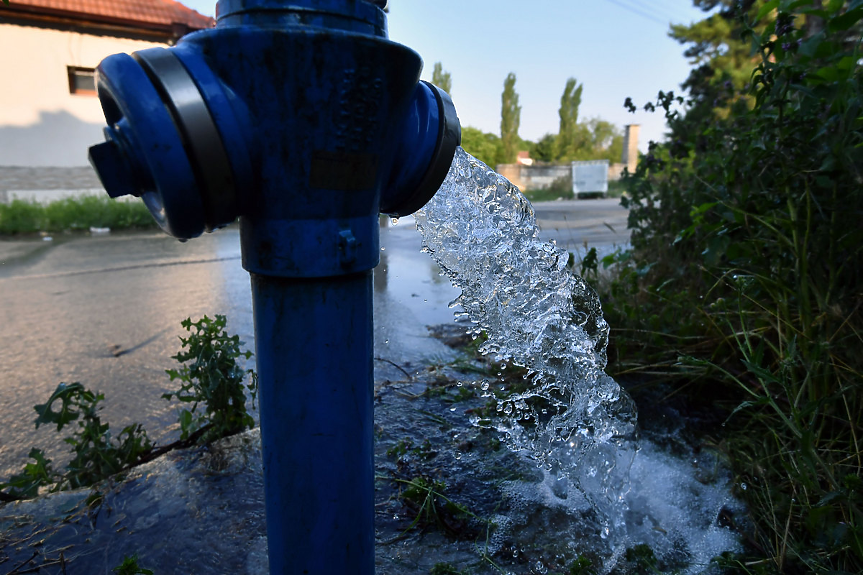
(616, 48)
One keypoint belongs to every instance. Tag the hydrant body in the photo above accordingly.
(302, 118)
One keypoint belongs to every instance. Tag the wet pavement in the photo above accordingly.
(201, 510)
(574, 224)
(106, 310)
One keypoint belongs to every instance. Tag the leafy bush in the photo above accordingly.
(210, 375)
(745, 272)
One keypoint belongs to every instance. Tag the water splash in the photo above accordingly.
(573, 419)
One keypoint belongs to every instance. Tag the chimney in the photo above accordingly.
(630, 147)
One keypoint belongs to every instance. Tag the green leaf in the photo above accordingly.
(834, 5)
(764, 375)
(845, 21)
(65, 394)
(747, 405)
(769, 6)
(833, 495)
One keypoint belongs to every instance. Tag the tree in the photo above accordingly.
(442, 79)
(596, 139)
(545, 148)
(510, 117)
(722, 64)
(568, 136)
(485, 147)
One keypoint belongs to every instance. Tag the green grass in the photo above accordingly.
(73, 214)
(615, 190)
(547, 195)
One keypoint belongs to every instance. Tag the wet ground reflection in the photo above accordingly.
(106, 311)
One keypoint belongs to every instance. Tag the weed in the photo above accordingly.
(642, 559)
(25, 485)
(97, 455)
(425, 497)
(582, 566)
(130, 566)
(211, 376)
(446, 569)
(463, 393)
(405, 449)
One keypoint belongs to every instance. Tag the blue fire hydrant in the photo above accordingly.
(303, 119)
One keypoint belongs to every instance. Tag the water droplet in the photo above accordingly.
(395, 221)
(383, 249)
(485, 386)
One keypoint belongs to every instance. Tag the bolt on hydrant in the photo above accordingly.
(303, 119)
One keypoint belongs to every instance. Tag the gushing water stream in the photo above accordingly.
(573, 420)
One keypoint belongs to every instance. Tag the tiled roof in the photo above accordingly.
(156, 13)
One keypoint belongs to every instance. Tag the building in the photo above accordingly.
(49, 49)
(538, 177)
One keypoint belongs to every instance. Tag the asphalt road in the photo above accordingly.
(576, 224)
(106, 311)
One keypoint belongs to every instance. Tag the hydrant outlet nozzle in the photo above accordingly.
(430, 134)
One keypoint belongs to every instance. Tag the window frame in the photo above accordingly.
(75, 72)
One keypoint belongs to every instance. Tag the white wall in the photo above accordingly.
(41, 123)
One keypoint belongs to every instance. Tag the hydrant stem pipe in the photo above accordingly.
(314, 363)
(302, 118)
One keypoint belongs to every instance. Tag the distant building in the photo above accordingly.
(630, 148)
(524, 158)
(49, 49)
(537, 177)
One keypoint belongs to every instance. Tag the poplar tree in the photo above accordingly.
(442, 79)
(568, 134)
(510, 117)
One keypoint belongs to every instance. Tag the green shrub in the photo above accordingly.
(744, 273)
